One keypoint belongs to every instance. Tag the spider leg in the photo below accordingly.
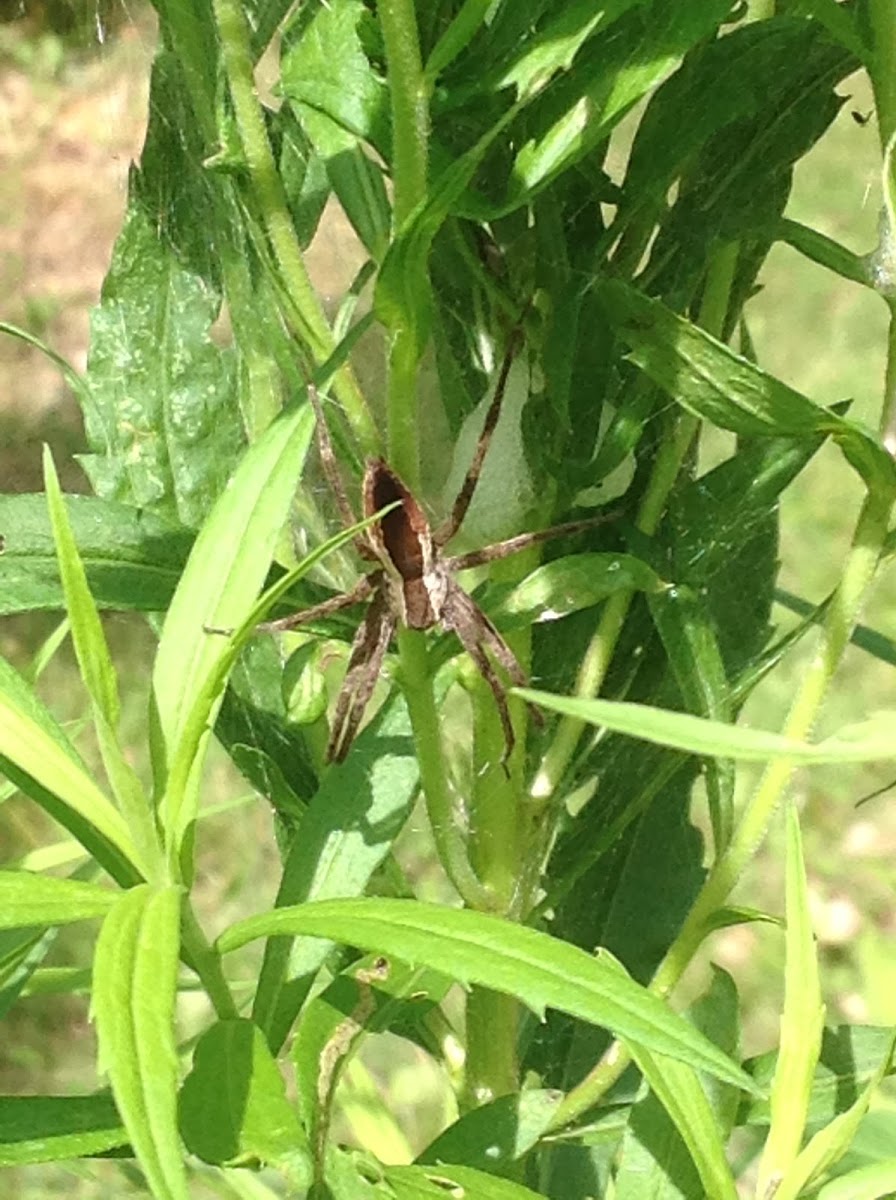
(476, 633)
(360, 591)
(522, 541)
(364, 664)
(468, 487)
(331, 470)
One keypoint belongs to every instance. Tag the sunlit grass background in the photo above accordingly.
(71, 117)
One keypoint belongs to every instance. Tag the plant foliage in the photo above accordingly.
(476, 149)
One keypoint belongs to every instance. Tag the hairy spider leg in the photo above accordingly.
(522, 541)
(334, 479)
(359, 592)
(446, 532)
(365, 662)
(475, 632)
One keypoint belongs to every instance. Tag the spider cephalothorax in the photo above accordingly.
(413, 582)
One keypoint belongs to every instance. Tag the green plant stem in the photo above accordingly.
(888, 417)
(600, 650)
(443, 815)
(492, 1032)
(882, 67)
(207, 964)
(841, 620)
(410, 114)
(268, 188)
(410, 139)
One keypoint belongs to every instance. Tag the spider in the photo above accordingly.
(413, 581)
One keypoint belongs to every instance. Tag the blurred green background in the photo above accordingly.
(73, 88)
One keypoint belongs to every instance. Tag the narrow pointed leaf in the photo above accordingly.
(498, 954)
(802, 1023)
(37, 1129)
(830, 1144)
(227, 566)
(434, 1183)
(876, 1182)
(94, 660)
(716, 384)
(681, 731)
(37, 756)
(29, 899)
(678, 1089)
(134, 990)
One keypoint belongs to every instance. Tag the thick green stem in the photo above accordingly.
(410, 140)
(410, 113)
(271, 200)
(207, 964)
(839, 625)
(492, 1027)
(888, 419)
(444, 817)
(882, 20)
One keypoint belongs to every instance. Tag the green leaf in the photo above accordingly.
(233, 1107)
(432, 1183)
(610, 75)
(94, 660)
(866, 742)
(354, 1175)
(29, 899)
(875, 1182)
(494, 1136)
(693, 651)
(576, 581)
(132, 558)
(163, 422)
(802, 1022)
(745, 89)
(654, 1159)
(325, 70)
(468, 19)
(348, 829)
(254, 728)
(97, 671)
(722, 528)
(554, 46)
(191, 33)
(36, 1129)
(304, 175)
(829, 1145)
(226, 569)
(678, 1089)
(717, 385)
(134, 990)
(22, 951)
(498, 954)
(839, 21)
(36, 755)
(403, 299)
(850, 1057)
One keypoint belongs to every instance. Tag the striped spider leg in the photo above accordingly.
(413, 582)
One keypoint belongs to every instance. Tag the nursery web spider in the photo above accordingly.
(413, 582)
